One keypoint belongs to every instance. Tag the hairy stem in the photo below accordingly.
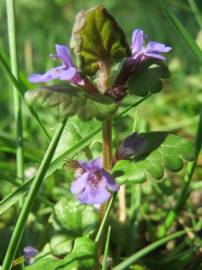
(107, 144)
(107, 163)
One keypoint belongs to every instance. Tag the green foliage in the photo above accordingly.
(183, 32)
(61, 244)
(70, 100)
(82, 257)
(162, 151)
(97, 40)
(74, 218)
(147, 79)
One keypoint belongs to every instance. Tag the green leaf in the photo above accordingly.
(147, 78)
(97, 39)
(161, 151)
(61, 244)
(82, 257)
(74, 218)
(70, 100)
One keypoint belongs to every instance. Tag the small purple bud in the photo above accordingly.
(132, 145)
(29, 254)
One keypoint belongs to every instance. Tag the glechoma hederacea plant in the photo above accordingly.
(106, 70)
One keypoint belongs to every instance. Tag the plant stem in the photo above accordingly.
(141, 253)
(172, 214)
(20, 225)
(122, 203)
(10, 5)
(107, 152)
(107, 144)
(107, 163)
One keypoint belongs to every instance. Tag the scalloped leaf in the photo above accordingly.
(71, 100)
(147, 78)
(82, 257)
(97, 38)
(162, 151)
(74, 218)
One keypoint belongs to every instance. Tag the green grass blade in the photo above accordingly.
(141, 253)
(196, 12)
(21, 90)
(10, 6)
(106, 251)
(183, 32)
(105, 218)
(21, 222)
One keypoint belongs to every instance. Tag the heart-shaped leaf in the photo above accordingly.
(147, 78)
(97, 40)
(161, 151)
(71, 100)
(82, 257)
(74, 218)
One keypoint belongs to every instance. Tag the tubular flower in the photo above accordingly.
(66, 72)
(142, 51)
(93, 184)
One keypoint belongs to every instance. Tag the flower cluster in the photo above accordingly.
(140, 52)
(93, 184)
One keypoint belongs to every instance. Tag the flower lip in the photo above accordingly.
(66, 72)
(95, 185)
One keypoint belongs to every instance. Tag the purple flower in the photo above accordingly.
(141, 51)
(29, 253)
(93, 184)
(133, 144)
(65, 72)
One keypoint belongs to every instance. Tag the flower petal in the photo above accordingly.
(93, 164)
(157, 47)
(79, 184)
(51, 74)
(67, 74)
(63, 53)
(155, 55)
(109, 181)
(94, 196)
(137, 40)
